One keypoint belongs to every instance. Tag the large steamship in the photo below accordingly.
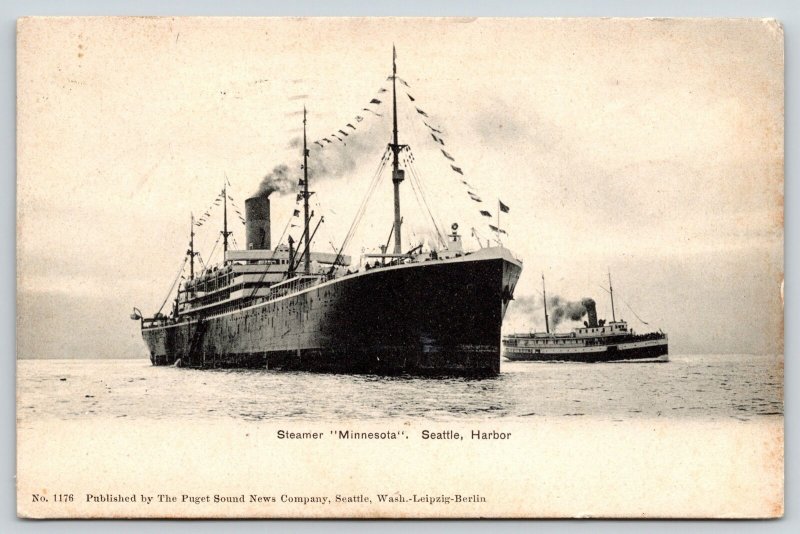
(418, 311)
(595, 341)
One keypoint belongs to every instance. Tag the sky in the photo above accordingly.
(652, 149)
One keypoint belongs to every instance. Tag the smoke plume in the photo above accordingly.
(573, 310)
(526, 305)
(334, 160)
(278, 180)
(524, 313)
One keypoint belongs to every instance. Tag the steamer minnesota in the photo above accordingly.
(435, 310)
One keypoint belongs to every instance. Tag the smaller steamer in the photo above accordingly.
(596, 341)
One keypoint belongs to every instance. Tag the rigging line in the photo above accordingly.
(205, 246)
(360, 215)
(421, 182)
(365, 200)
(362, 208)
(180, 272)
(635, 314)
(414, 187)
(420, 196)
(356, 220)
(415, 176)
(210, 256)
(427, 208)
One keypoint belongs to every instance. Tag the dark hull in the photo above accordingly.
(436, 318)
(657, 352)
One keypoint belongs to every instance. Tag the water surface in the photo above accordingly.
(712, 387)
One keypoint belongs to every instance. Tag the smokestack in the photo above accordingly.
(591, 312)
(256, 214)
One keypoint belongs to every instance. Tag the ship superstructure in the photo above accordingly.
(435, 311)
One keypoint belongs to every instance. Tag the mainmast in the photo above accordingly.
(611, 292)
(397, 174)
(307, 252)
(544, 297)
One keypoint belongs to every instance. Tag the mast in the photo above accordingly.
(191, 250)
(307, 252)
(291, 257)
(544, 297)
(397, 174)
(225, 232)
(611, 292)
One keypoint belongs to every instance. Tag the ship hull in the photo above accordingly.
(644, 351)
(433, 318)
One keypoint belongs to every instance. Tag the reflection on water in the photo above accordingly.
(698, 386)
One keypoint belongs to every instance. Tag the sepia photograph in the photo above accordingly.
(400, 267)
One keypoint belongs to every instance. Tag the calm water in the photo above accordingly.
(699, 386)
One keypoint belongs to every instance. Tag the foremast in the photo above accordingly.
(225, 232)
(611, 292)
(544, 298)
(191, 251)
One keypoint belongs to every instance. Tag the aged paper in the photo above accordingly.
(175, 171)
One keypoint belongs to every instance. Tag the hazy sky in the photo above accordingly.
(653, 148)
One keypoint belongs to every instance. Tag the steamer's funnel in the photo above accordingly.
(256, 214)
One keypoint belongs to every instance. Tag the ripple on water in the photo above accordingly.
(710, 386)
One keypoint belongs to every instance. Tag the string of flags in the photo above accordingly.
(437, 136)
(236, 209)
(207, 214)
(340, 134)
(216, 202)
(431, 127)
(371, 108)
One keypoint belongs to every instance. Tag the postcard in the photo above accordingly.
(399, 268)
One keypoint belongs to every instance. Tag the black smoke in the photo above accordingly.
(331, 161)
(560, 309)
(278, 180)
